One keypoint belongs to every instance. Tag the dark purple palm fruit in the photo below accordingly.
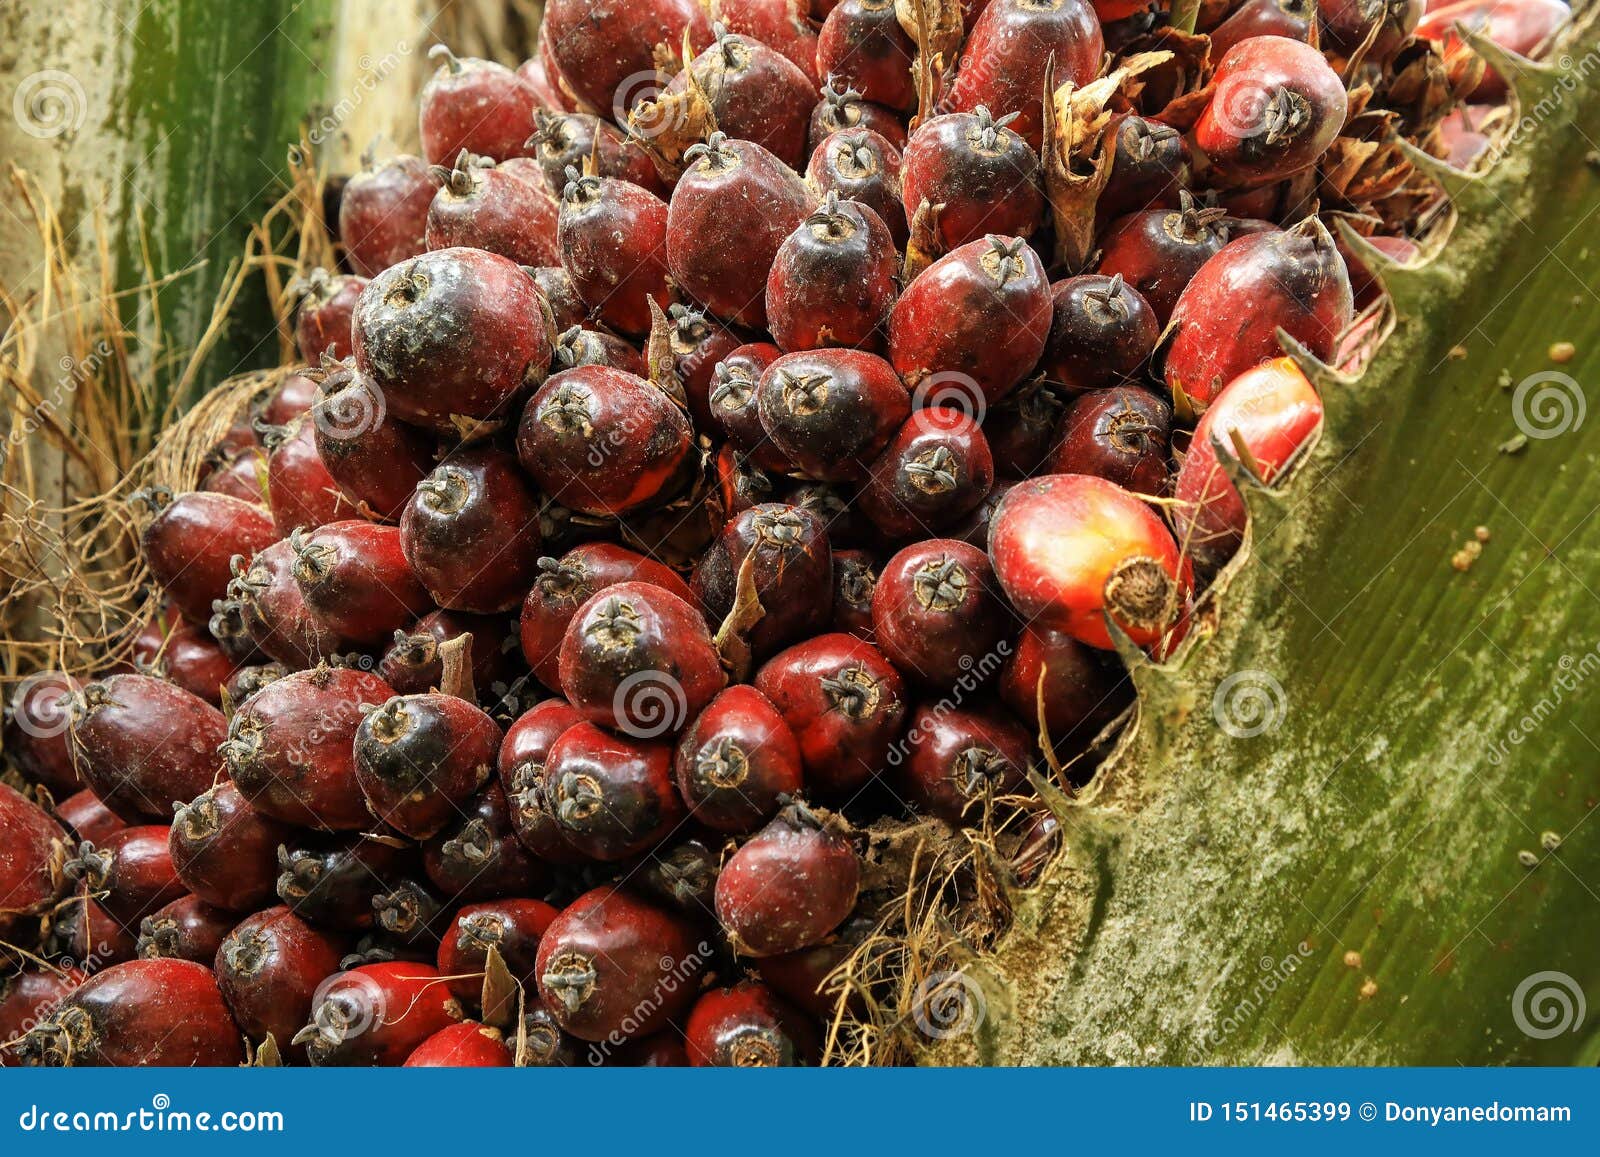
(755, 92)
(611, 796)
(833, 280)
(265, 601)
(861, 165)
(698, 344)
(976, 175)
(789, 885)
(453, 337)
(1102, 332)
(1021, 430)
(1157, 251)
(354, 578)
(376, 459)
(564, 140)
(322, 323)
(790, 565)
(737, 761)
(604, 442)
(741, 484)
(977, 318)
(332, 881)
(477, 855)
(734, 408)
(37, 731)
(864, 46)
(935, 469)
(730, 211)
(383, 212)
(855, 576)
(1121, 434)
(842, 108)
(961, 758)
(831, 411)
(412, 662)
(937, 613)
(613, 238)
(1151, 164)
(471, 532)
(592, 347)
(567, 307)
(1290, 18)
(504, 208)
(521, 766)
(1057, 684)
(419, 758)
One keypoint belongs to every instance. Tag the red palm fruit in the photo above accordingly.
(782, 24)
(374, 458)
(732, 402)
(699, 344)
(601, 441)
(831, 412)
(334, 881)
(143, 744)
(299, 487)
(664, 1050)
(1122, 435)
(267, 604)
(566, 583)
(31, 844)
(1276, 105)
(790, 561)
(521, 767)
(186, 929)
(1020, 431)
(938, 616)
(28, 995)
(1346, 25)
(88, 818)
(1364, 285)
(355, 579)
(605, 49)
(143, 1012)
(863, 46)
(862, 166)
(1004, 61)
(477, 855)
(936, 469)
(855, 577)
(638, 658)
(613, 237)
(188, 656)
(471, 532)
(412, 663)
(1520, 26)
(730, 212)
(82, 930)
(542, 1044)
(611, 966)
(749, 1026)
(841, 109)
(736, 762)
(1150, 167)
(225, 851)
(611, 796)
(566, 306)
(845, 704)
(376, 1014)
(269, 968)
(1080, 690)
(740, 483)
(958, 759)
(1287, 18)
(789, 885)
(683, 877)
(1262, 418)
(452, 337)
(1102, 332)
(419, 757)
(1158, 251)
(383, 213)
(468, 1045)
(977, 318)
(505, 208)
(755, 93)
(322, 325)
(1071, 550)
(588, 347)
(131, 875)
(238, 475)
(563, 141)
(246, 681)
(37, 719)
(289, 747)
(976, 175)
(1227, 320)
(191, 541)
(476, 105)
(833, 279)
(513, 928)
(803, 977)
(547, 92)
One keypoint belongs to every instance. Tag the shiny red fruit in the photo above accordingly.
(613, 238)
(831, 411)
(610, 796)
(565, 140)
(786, 550)
(476, 105)
(749, 1026)
(187, 655)
(412, 662)
(1052, 681)
(513, 928)
(1276, 106)
(186, 929)
(833, 279)
(505, 208)
(961, 759)
(265, 607)
(467, 1045)
(606, 49)
(477, 855)
(143, 744)
(1102, 331)
(1157, 252)
(936, 468)
(38, 718)
(736, 762)
(471, 532)
(733, 404)
(31, 844)
(755, 92)
(225, 851)
(191, 541)
(355, 579)
(863, 47)
(383, 213)
(418, 758)
(975, 175)
(1122, 435)
(861, 165)
(841, 109)
(521, 768)
(937, 614)
(322, 326)
(789, 885)
(299, 488)
(377, 1014)
(88, 818)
